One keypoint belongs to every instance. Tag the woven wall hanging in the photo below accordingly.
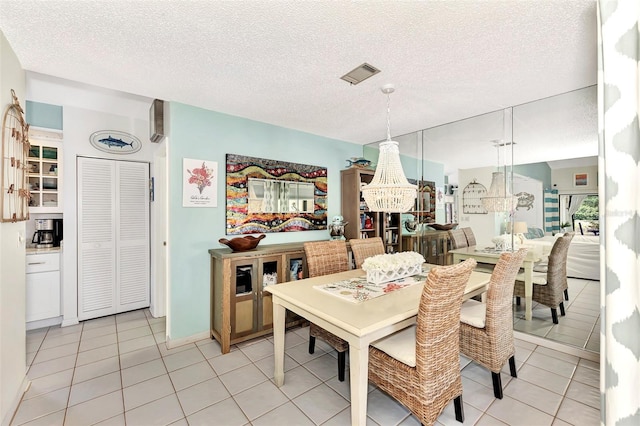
(15, 146)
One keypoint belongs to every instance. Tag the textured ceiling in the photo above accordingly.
(280, 61)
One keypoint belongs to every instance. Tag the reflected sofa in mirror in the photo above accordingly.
(274, 196)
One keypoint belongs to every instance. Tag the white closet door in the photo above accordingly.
(113, 237)
(132, 235)
(96, 238)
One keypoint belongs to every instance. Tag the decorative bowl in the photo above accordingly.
(242, 243)
(444, 227)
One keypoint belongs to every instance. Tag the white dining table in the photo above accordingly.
(488, 256)
(359, 323)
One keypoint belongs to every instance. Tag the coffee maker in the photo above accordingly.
(48, 233)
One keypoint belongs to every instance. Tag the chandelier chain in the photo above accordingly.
(388, 116)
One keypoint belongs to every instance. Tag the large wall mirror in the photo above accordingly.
(571, 120)
(274, 196)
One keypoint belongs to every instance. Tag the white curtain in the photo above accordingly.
(619, 193)
(574, 204)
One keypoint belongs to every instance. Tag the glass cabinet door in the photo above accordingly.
(43, 174)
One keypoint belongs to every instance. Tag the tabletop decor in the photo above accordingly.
(357, 290)
(388, 267)
(242, 243)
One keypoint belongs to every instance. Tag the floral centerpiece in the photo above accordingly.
(388, 267)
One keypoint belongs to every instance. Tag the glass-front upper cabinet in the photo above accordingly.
(44, 171)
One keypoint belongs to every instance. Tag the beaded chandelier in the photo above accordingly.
(389, 190)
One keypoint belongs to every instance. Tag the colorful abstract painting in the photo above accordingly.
(287, 217)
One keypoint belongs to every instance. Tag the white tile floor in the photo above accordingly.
(580, 326)
(118, 371)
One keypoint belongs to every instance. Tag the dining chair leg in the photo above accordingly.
(497, 384)
(566, 295)
(457, 405)
(341, 365)
(312, 344)
(562, 308)
(554, 315)
(512, 366)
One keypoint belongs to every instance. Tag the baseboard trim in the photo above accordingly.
(557, 346)
(11, 412)
(69, 321)
(33, 325)
(174, 343)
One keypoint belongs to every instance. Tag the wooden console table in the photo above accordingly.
(240, 309)
(433, 245)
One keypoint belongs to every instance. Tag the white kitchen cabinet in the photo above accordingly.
(42, 286)
(44, 171)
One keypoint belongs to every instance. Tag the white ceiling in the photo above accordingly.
(280, 61)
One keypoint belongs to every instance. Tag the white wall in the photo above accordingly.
(534, 217)
(484, 226)
(562, 180)
(87, 109)
(12, 266)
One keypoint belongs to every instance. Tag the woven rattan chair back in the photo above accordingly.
(471, 239)
(499, 300)
(457, 238)
(365, 247)
(565, 284)
(326, 257)
(552, 293)
(557, 266)
(435, 380)
(492, 346)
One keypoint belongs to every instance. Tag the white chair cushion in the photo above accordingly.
(400, 345)
(473, 313)
(539, 278)
(540, 268)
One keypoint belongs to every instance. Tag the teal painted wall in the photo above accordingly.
(538, 171)
(206, 135)
(44, 115)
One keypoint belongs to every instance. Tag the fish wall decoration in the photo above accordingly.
(115, 142)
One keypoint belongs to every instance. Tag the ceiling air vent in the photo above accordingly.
(360, 73)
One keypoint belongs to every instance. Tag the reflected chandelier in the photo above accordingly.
(389, 190)
(499, 198)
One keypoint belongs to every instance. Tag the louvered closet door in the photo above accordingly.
(96, 238)
(132, 235)
(113, 237)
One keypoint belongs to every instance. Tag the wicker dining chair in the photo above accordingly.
(324, 258)
(365, 247)
(486, 329)
(549, 287)
(419, 366)
(457, 238)
(471, 239)
(543, 266)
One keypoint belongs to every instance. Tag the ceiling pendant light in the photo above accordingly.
(499, 198)
(389, 190)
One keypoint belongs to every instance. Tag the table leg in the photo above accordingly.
(359, 376)
(528, 289)
(279, 313)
